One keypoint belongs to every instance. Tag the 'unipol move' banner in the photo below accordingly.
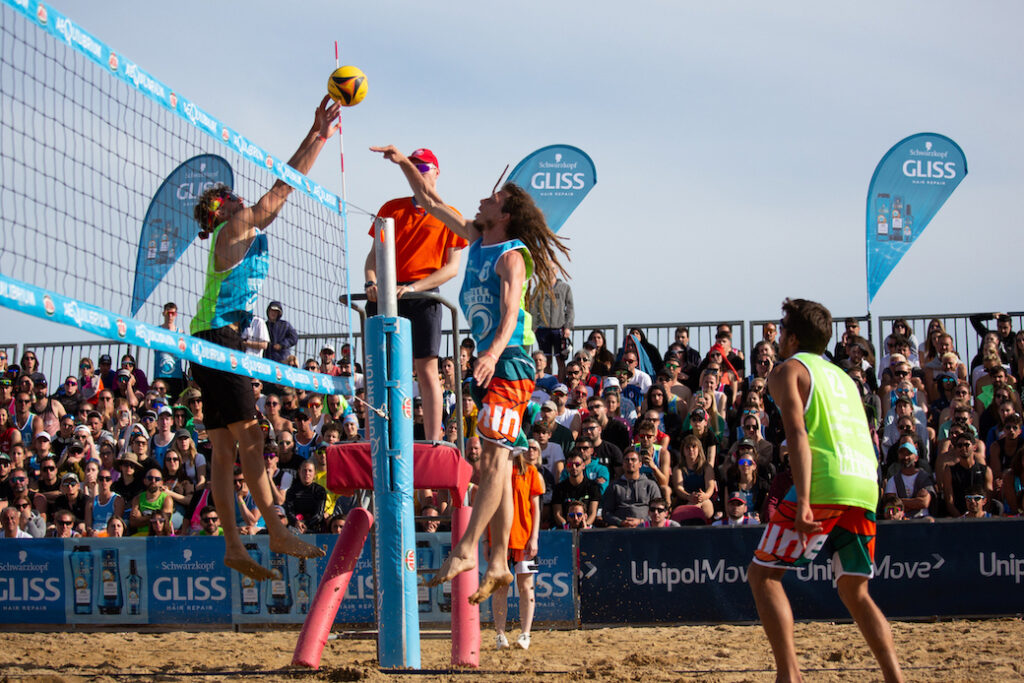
(558, 177)
(910, 185)
(169, 226)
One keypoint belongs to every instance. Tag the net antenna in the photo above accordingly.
(493, 190)
(344, 228)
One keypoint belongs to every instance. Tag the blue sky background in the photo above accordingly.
(734, 141)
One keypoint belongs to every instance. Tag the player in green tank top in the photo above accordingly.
(834, 491)
(239, 246)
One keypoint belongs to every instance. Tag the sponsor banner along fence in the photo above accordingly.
(183, 581)
(954, 568)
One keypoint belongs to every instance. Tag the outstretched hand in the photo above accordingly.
(326, 120)
(390, 153)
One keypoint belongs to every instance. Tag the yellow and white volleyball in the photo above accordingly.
(347, 85)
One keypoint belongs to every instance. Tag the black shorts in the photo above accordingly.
(227, 397)
(549, 340)
(425, 317)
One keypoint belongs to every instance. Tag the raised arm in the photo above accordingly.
(264, 211)
(428, 197)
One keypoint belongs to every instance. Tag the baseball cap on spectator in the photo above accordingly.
(610, 384)
(620, 367)
(908, 447)
(426, 156)
(105, 358)
(560, 388)
(698, 413)
(124, 373)
(39, 378)
(4, 457)
(76, 447)
(351, 418)
(164, 410)
(539, 396)
(736, 496)
(70, 477)
(746, 443)
(328, 348)
(182, 432)
(905, 399)
(82, 429)
(275, 306)
(42, 435)
(550, 405)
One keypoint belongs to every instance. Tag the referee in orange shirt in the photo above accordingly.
(427, 255)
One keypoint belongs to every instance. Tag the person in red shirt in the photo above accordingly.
(427, 255)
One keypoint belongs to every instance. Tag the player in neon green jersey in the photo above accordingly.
(238, 264)
(834, 493)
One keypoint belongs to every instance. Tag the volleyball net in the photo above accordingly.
(101, 164)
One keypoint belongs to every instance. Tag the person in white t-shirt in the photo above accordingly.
(256, 336)
(552, 457)
(567, 417)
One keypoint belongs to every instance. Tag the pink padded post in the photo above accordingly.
(465, 617)
(435, 466)
(331, 591)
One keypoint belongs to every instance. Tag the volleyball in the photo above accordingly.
(347, 85)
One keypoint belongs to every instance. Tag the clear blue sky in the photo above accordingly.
(734, 141)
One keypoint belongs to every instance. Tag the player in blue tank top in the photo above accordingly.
(238, 264)
(510, 245)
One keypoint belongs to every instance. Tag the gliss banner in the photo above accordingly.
(169, 227)
(909, 186)
(557, 177)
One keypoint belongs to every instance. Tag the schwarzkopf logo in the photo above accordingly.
(928, 151)
(558, 163)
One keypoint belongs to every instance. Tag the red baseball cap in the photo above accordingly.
(426, 156)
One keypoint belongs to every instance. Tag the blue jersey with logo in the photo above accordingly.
(229, 296)
(480, 297)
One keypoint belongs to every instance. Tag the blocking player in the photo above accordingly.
(510, 243)
(238, 264)
(834, 493)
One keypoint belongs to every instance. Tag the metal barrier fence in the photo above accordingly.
(756, 329)
(60, 359)
(610, 332)
(702, 334)
(966, 339)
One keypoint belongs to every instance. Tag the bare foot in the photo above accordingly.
(452, 567)
(290, 544)
(489, 584)
(240, 561)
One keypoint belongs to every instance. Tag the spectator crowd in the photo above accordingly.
(630, 437)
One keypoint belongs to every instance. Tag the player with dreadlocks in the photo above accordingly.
(510, 246)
